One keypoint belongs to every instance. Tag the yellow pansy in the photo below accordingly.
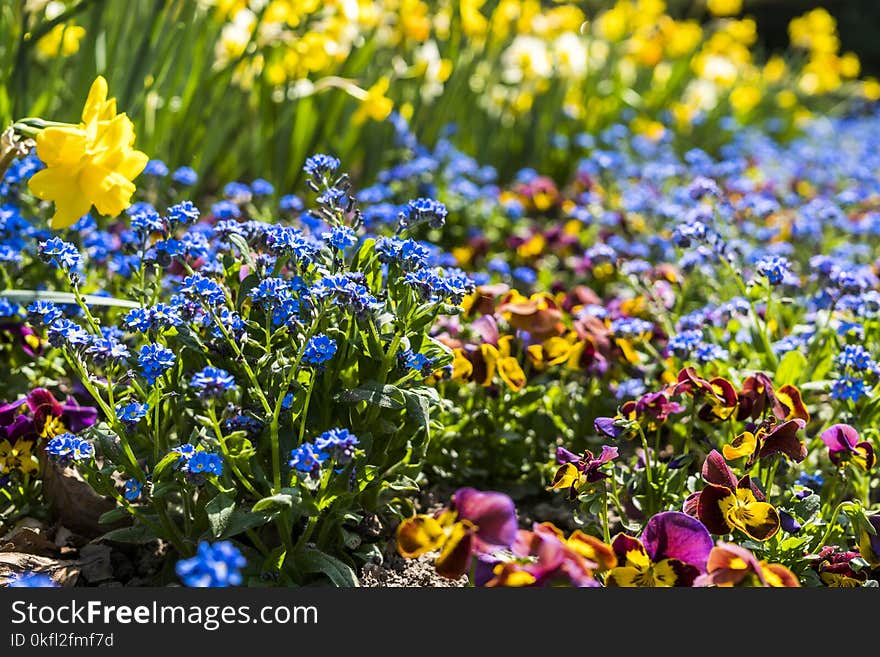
(92, 163)
(498, 360)
(18, 457)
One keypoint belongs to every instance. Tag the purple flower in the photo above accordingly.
(843, 445)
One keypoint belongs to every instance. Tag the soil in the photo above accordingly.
(397, 572)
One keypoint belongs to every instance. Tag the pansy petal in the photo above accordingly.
(672, 572)
(456, 553)
(778, 576)
(606, 426)
(716, 471)
(418, 535)
(566, 476)
(783, 439)
(675, 535)
(630, 551)
(713, 501)
(493, 513)
(593, 549)
(691, 504)
(790, 405)
(840, 437)
(864, 455)
(608, 454)
(743, 445)
(758, 520)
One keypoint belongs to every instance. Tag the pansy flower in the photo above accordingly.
(545, 557)
(770, 438)
(869, 544)
(758, 396)
(539, 315)
(576, 471)
(844, 446)
(733, 565)
(476, 522)
(835, 569)
(39, 414)
(552, 351)
(718, 394)
(18, 456)
(672, 551)
(726, 504)
(651, 409)
(25, 336)
(491, 360)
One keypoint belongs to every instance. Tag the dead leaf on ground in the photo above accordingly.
(77, 506)
(15, 564)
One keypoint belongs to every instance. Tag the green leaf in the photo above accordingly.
(790, 369)
(807, 508)
(341, 574)
(250, 281)
(240, 521)
(24, 297)
(113, 515)
(219, 512)
(137, 534)
(279, 502)
(418, 407)
(372, 392)
(164, 465)
(402, 483)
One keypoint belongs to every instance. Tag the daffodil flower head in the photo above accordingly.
(89, 164)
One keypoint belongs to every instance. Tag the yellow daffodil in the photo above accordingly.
(375, 105)
(91, 163)
(61, 40)
(724, 7)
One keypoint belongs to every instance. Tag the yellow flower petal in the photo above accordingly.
(60, 186)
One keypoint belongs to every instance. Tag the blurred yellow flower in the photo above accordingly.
(871, 89)
(375, 105)
(744, 98)
(724, 7)
(61, 40)
(92, 163)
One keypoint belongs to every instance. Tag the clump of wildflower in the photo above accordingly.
(319, 350)
(417, 362)
(212, 382)
(68, 447)
(185, 176)
(61, 254)
(154, 360)
(31, 580)
(198, 464)
(307, 459)
(132, 489)
(774, 269)
(340, 237)
(319, 165)
(132, 413)
(213, 566)
(423, 210)
(44, 312)
(338, 444)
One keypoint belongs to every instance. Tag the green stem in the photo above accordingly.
(215, 425)
(832, 523)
